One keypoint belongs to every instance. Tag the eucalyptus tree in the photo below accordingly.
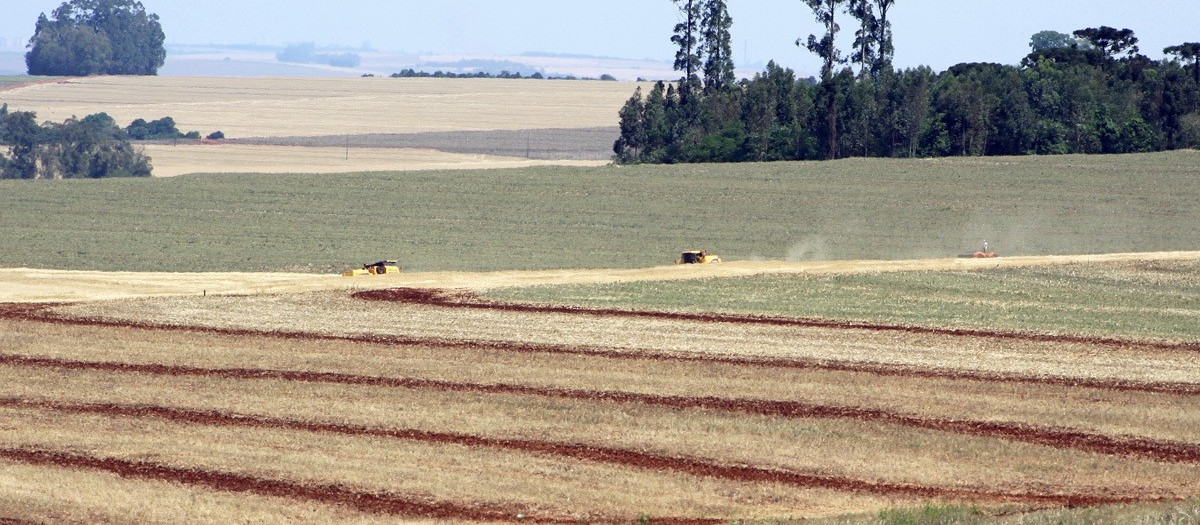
(866, 41)
(687, 38)
(717, 46)
(885, 50)
(825, 12)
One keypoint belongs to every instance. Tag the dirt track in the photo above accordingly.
(35, 285)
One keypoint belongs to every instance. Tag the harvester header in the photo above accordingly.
(375, 268)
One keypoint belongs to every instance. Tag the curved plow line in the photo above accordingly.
(599, 454)
(1061, 438)
(434, 297)
(369, 502)
(38, 313)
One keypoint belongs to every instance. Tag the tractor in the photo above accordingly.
(375, 268)
(697, 257)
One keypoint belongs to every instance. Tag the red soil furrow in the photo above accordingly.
(370, 502)
(1062, 438)
(599, 454)
(41, 313)
(433, 297)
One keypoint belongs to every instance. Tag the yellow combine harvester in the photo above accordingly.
(375, 268)
(697, 257)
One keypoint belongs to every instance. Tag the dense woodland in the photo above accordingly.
(1088, 92)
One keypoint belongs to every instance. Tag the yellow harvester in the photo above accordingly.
(697, 257)
(375, 268)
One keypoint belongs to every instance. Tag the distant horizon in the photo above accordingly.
(934, 33)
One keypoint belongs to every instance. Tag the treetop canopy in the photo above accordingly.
(97, 37)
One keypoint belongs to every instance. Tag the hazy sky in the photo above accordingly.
(937, 33)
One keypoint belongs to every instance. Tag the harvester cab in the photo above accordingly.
(697, 257)
(375, 268)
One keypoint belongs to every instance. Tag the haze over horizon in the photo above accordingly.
(937, 33)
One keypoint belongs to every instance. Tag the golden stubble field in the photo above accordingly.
(325, 107)
(281, 107)
(322, 406)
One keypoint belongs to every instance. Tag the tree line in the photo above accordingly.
(1087, 92)
(91, 147)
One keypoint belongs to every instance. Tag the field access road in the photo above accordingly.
(26, 285)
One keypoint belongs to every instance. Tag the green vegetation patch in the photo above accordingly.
(1141, 300)
(607, 217)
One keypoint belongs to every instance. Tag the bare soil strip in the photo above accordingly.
(372, 502)
(595, 453)
(465, 299)
(1061, 438)
(43, 313)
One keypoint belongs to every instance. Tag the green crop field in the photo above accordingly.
(1158, 300)
(614, 217)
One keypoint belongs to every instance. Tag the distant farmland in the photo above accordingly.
(374, 123)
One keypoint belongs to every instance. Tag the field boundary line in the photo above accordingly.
(34, 312)
(468, 300)
(1053, 437)
(580, 451)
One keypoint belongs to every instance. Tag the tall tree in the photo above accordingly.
(109, 37)
(1110, 40)
(826, 13)
(717, 46)
(866, 41)
(1187, 51)
(883, 38)
(687, 39)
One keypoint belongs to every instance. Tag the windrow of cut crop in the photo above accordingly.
(45, 313)
(1062, 438)
(586, 452)
(408, 506)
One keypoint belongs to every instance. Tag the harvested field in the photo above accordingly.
(703, 437)
(284, 107)
(422, 404)
(330, 125)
